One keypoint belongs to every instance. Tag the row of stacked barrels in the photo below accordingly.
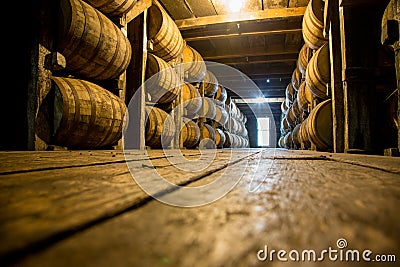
(306, 119)
(77, 112)
(178, 82)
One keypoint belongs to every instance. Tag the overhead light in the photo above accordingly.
(234, 6)
(267, 80)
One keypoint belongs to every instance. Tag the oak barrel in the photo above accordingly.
(290, 93)
(304, 134)
(313, 24)
(231, 140)
(296, 137)
(207, 136)
(209, 85)
(221, 116)
(113, 8)
(163, 83)
(208, 109)
(291, 118)
(221, 94)
(163, 33)
(190, 133)
(296, 110)
(80, 114)
(304, 97)
(319, 125)
(284, 107)
(281, 142)
(159, 129)
(93, 46)
(219, 138)
(189, 98)
(296, 79)
(194, 65)
(318, 72)
(232, 125)
(288, 140)
(285, 126)
(303, 59)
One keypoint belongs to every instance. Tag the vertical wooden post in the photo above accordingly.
(135, 83)
(178, 107)
(335, 51)
(360, 28)
(397, 60)
(397, 53)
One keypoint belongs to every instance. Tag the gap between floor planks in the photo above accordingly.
(301, 204)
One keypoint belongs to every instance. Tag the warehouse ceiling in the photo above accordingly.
(261, 38)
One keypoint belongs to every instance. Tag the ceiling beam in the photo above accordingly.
(233, 35)
(251, 53)
(268, 14)
(260, 59)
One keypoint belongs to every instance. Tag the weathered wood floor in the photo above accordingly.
(83, 208)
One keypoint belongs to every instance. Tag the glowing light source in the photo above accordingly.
(234, 6)
(267, 80)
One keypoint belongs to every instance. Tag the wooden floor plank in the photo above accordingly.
(385, 163)
(301, 204)
(39, 207)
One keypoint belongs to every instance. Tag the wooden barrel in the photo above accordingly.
(231, 140)
(113, 8)
(281, 142)
(80, 114)
(296, 110)
(207, 133)
(291, 117)
(209, 85)
(318, 72)
(194, 65)
(284, 107)
(244, 119)
(232, 125)
(190, 133)
(245, 142)
(189, 98)
(93, 46)
(221, 94)
(296, 137)
(285, 126)
(304, 97)
(240, 116)
(163, 33)
(288, 140)
(221, 116)
(303, 59)
(290, 93)
(208, 109)
(296, 79)
(220, 138)
(163, 83)
(304, 134)
(240, 141)
(313, 24)
(243, 131)
(319, 125)
(159, 130)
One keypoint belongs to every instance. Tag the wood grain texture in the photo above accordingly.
(42, 206)
(304, 202)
